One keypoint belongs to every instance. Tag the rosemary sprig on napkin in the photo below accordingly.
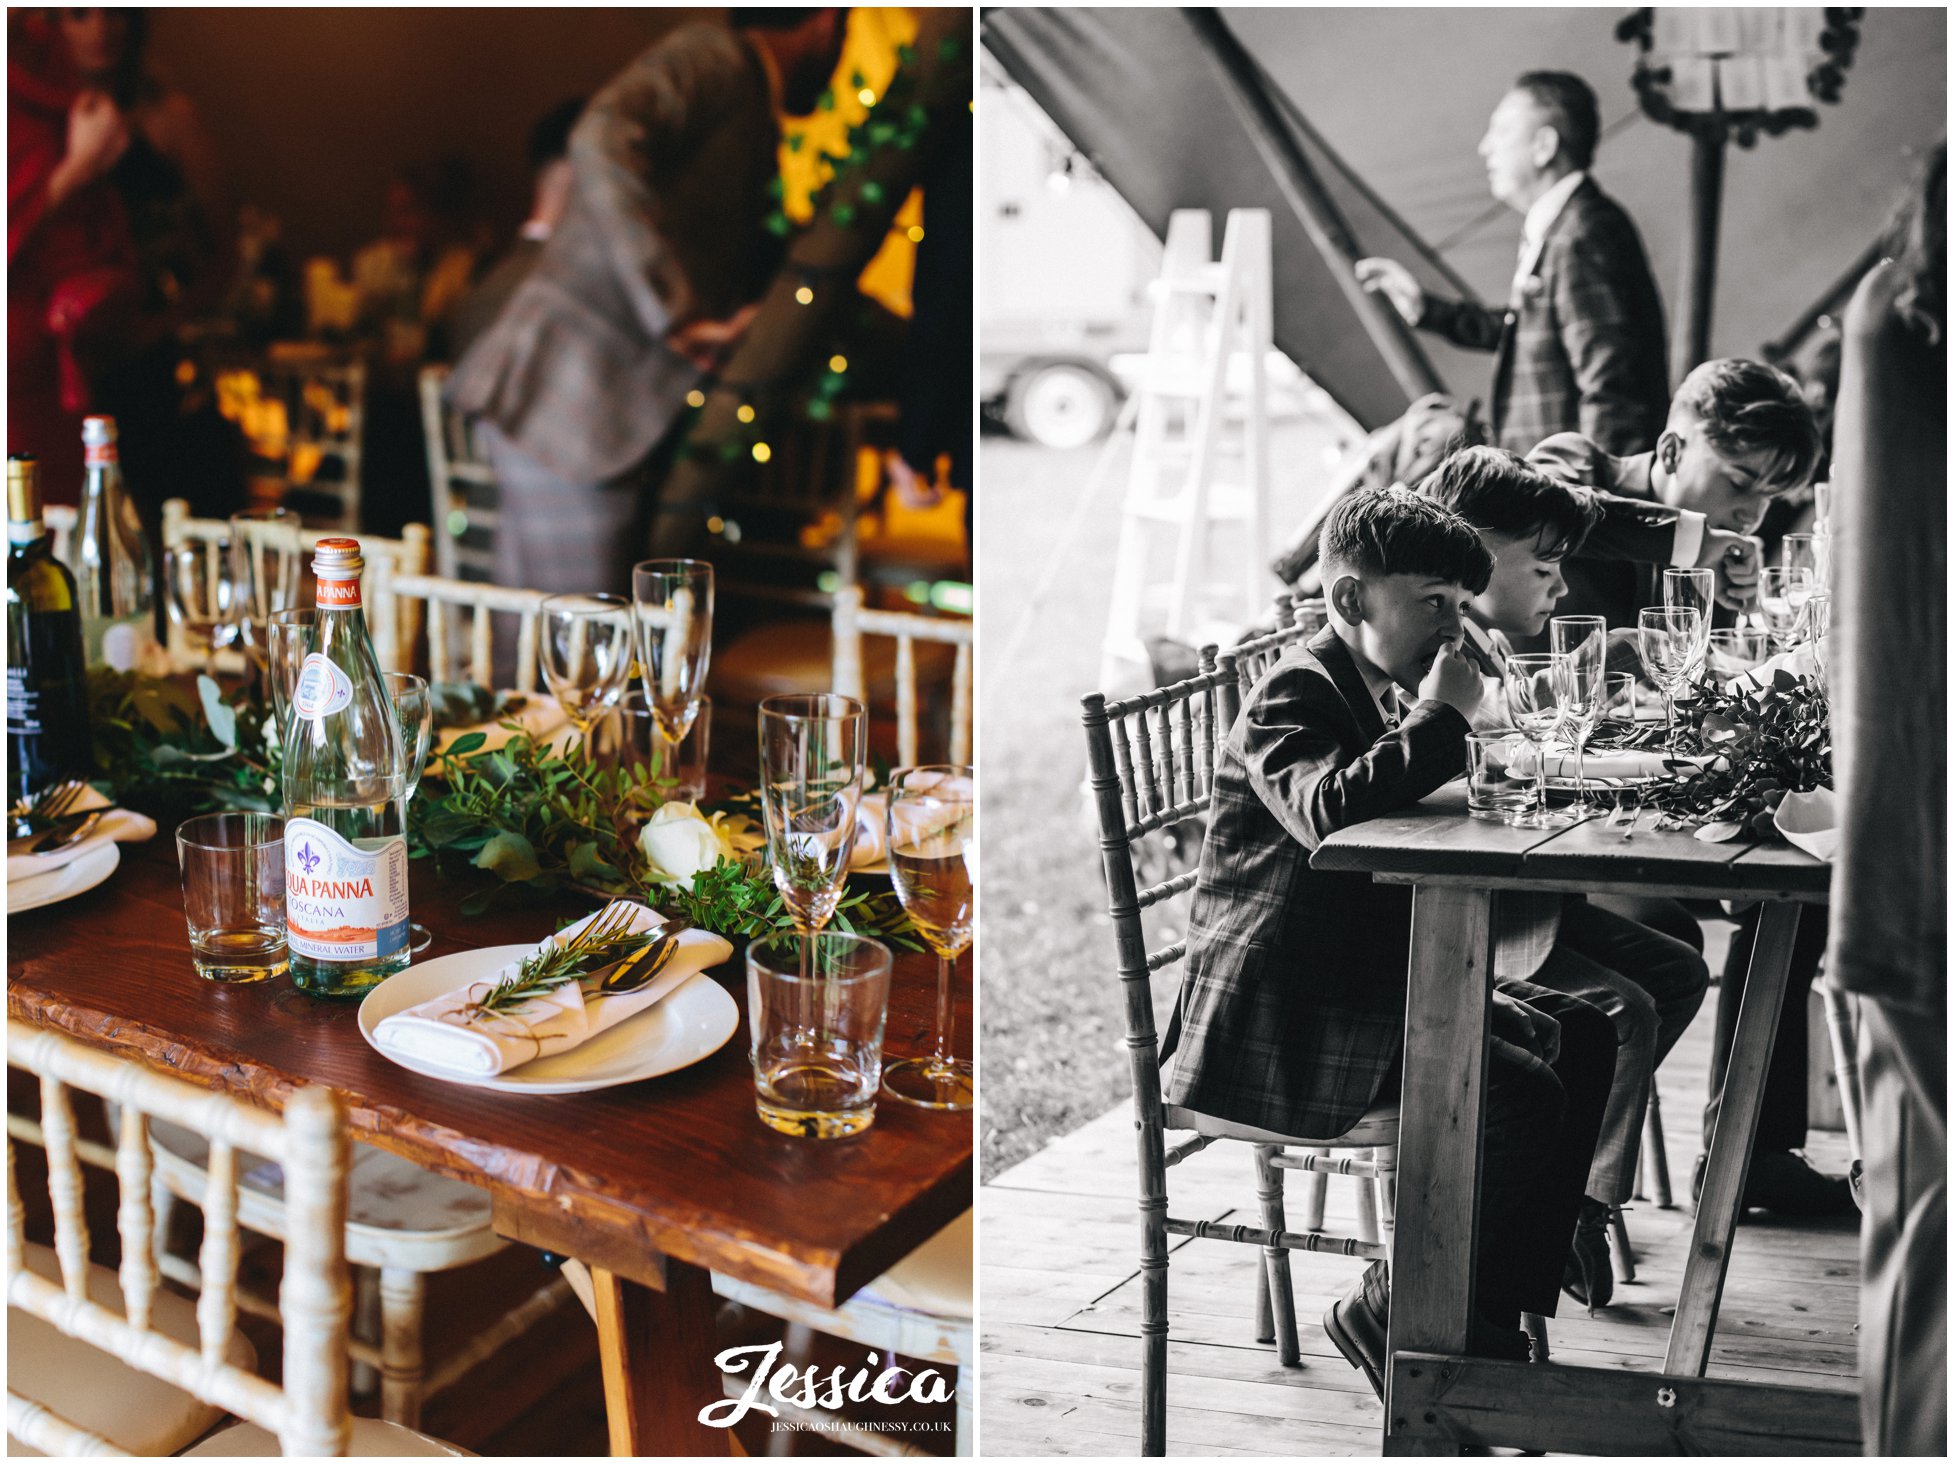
(555, 965)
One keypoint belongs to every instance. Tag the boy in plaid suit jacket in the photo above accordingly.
(1579, 344)
(1649, 983)
(1292, 1008)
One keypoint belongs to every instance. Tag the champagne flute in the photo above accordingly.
(198, 589)
(1534, 689)
(414, 710)
(673, 602)
(1692, 589)
(932, 855)
(1817, 631)
(1582, 643)
(812, 749)
(265, 556)
(1800, 551)
(1781, 596)
(586, 652)
(289, 638)
(1667, 639)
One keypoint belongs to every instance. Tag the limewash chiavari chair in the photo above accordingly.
(456, 611)
(1152, 761)
(852, 623)
(465, 497)
(167, 1370)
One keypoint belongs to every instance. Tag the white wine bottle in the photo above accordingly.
(113, 567)
(47, 689)
(345, 849)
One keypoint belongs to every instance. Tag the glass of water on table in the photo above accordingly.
(234, 894)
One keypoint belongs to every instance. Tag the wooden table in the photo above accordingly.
(653, 1185)
(1437, 1398)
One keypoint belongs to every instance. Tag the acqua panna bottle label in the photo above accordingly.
(343, 903)
(323, 688)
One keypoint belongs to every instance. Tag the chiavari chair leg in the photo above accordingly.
(403, 1301)
(1275, 1260)
(1535, 1326)
(1367, 1228)
(1655, 1154)
(1624, 1252)
(1265, 1326)
(1387, 1191)
(363, 1376)
(1316, 1192)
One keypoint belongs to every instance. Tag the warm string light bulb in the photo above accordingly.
(761, 452)
(695, 398)
(805, 294)
(837, 364)
(745, 412)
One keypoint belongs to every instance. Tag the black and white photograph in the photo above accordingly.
(1464, 705)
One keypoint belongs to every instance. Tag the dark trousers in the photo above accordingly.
(1781, 1124)
(1542, 1121)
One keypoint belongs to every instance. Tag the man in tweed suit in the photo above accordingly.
(644, 282)
(1580, 341)
(1292, 1008)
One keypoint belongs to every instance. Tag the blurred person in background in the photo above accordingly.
(1889, 885)
(117, 233)
(646, 283)
(549, 165)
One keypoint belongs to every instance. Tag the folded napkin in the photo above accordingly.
(120, 826)
(1611, 763)
(872, 824)
(450, 1032)
(539, 717)
(1811, 821)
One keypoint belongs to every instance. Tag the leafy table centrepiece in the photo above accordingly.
(1748, 744)
(542, 824)
(171, 750)
(549, 1002)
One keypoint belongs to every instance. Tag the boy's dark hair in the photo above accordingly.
(549, 137)
(1394, 531)
(1748, 409)
(1493, 489)
(1569, 104)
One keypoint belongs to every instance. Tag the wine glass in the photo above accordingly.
(1781, 596)
(932, 856)
(197, 588)
(1668, 639)
(1735, 651)
(673, 601)
(586, 651)
(414, 711)
(1800, 551)
(266, 548)
(1817, 632)
(1581, 641)
(289, 638)
(811, 781)
(1535, 686)
(1692, 589)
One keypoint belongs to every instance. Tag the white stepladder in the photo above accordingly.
(1199, 417)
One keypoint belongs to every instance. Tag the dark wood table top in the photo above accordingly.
(1436, 842)
(677, 1166)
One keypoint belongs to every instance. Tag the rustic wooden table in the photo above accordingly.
(1437, 1398)
(653, 1185)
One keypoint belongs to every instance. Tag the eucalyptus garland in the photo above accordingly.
(171, 752)
(1760, 742)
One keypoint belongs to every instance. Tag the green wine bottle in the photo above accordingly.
(345, 850)
(47, 688)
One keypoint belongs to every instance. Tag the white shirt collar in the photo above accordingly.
(1496, 646)
(1383, 690)
(1540, 218)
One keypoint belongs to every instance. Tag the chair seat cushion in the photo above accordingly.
(935, 1277)
(371, 1439)
(1379, 1126)
(397, 1214)
(130, 1408)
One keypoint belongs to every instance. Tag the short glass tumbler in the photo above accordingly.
(1497, 789)
(234, 894)
(817, 1038)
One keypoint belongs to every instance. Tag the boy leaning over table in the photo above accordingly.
(1293, 1002)
(1650, 984)
(1738, 434)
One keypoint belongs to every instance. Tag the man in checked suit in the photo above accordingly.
(1292, 1008)
(644, 283)
(1579, 342)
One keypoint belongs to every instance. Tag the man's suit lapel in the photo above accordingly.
(1349, 682)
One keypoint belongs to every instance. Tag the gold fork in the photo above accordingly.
(50, 803)
(612, 920)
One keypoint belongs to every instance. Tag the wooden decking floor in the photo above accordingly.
(1060, 1372)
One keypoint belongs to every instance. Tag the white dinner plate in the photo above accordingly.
(76, 877)
(690, 1024)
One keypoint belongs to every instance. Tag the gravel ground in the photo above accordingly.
(1053, 1053)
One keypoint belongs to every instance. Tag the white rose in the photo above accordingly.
(679, 842)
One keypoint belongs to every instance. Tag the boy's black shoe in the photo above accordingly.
(1359, 1324)
(1784, 1182)
(1590, 1274)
